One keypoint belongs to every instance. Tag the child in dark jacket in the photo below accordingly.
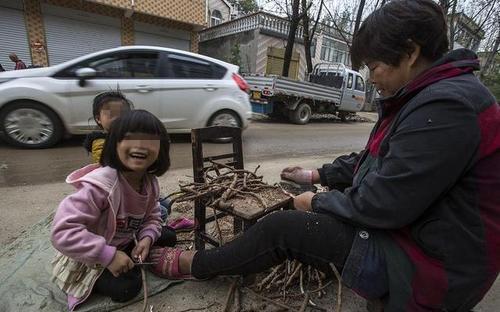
(107, 106)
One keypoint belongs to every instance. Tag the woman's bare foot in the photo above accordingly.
(185, 261)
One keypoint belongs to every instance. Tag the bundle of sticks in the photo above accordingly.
(223, 183)
(284, 285)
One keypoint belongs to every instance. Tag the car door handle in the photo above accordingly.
(144, 89)
(209, 88)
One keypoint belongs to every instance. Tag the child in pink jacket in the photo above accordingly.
(94, 228)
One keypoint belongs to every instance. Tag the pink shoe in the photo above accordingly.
(167, 263)
(181, 224)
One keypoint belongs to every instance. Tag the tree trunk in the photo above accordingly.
(307, 37)
(445, 4)
(294, 24)
(358, 22)
(452, 24)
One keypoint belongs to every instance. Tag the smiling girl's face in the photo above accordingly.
(138, 151)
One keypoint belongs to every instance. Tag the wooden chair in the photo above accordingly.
(243, 218)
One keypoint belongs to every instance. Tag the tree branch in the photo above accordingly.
(341, 32)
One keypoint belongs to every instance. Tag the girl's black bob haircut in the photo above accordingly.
(108, 96)
(390, 31)
(136, 121)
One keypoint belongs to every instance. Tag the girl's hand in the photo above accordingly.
(303, 201)
(141, 250)
(120, 264)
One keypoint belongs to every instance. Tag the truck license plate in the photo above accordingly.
(256, 95)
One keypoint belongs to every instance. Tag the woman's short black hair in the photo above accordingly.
(136, 121)
(387, 33)
(105, 97)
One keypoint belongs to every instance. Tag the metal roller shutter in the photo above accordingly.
(148, 34)
(71, 33)
(13, 36)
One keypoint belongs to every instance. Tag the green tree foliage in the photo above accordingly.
(235, 55)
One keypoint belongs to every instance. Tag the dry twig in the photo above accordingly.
(144, 281)
(276, 303)
(200, 308)
(304, 303)
(217, 226)
(339, 291)
(230, 295)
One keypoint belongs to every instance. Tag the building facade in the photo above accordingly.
(260, 40)
(218, 12)
(48, 32)
(467, 33)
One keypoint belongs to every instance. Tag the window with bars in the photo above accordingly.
(331, 51)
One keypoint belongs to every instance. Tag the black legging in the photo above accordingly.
(313, 239)
(128, 285)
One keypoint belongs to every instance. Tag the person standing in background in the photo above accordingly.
(19, 64)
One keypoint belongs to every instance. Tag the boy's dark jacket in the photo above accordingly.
(425, 193)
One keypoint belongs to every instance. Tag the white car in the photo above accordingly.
(184, 90)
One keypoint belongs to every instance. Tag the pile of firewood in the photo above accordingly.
(285, 285)
(222, 183)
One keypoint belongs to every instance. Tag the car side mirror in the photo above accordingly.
(85, 73)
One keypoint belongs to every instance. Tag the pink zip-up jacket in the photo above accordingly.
(85, 222)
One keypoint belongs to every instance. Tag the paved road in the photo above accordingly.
(263, 140)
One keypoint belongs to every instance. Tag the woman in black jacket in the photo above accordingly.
(414, 219)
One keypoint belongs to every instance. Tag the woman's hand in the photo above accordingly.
(120, 264)
(300, 175)
(141, 250)
(303, 201)
(297, 175)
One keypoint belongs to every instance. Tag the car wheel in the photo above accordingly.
(301, 114)
(224, 118)
(30, 125)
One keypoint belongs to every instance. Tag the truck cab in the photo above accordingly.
(337, 75)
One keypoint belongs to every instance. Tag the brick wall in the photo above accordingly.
(195, 41)
(36, 32)
(185, 15)
(185, 11)
(128, 37)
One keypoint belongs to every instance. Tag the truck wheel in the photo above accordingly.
(30, 125)
(343, 116)
(301, 114)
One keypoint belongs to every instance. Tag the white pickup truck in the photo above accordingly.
(331, 88)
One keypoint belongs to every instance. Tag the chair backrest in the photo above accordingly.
(200, 135)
